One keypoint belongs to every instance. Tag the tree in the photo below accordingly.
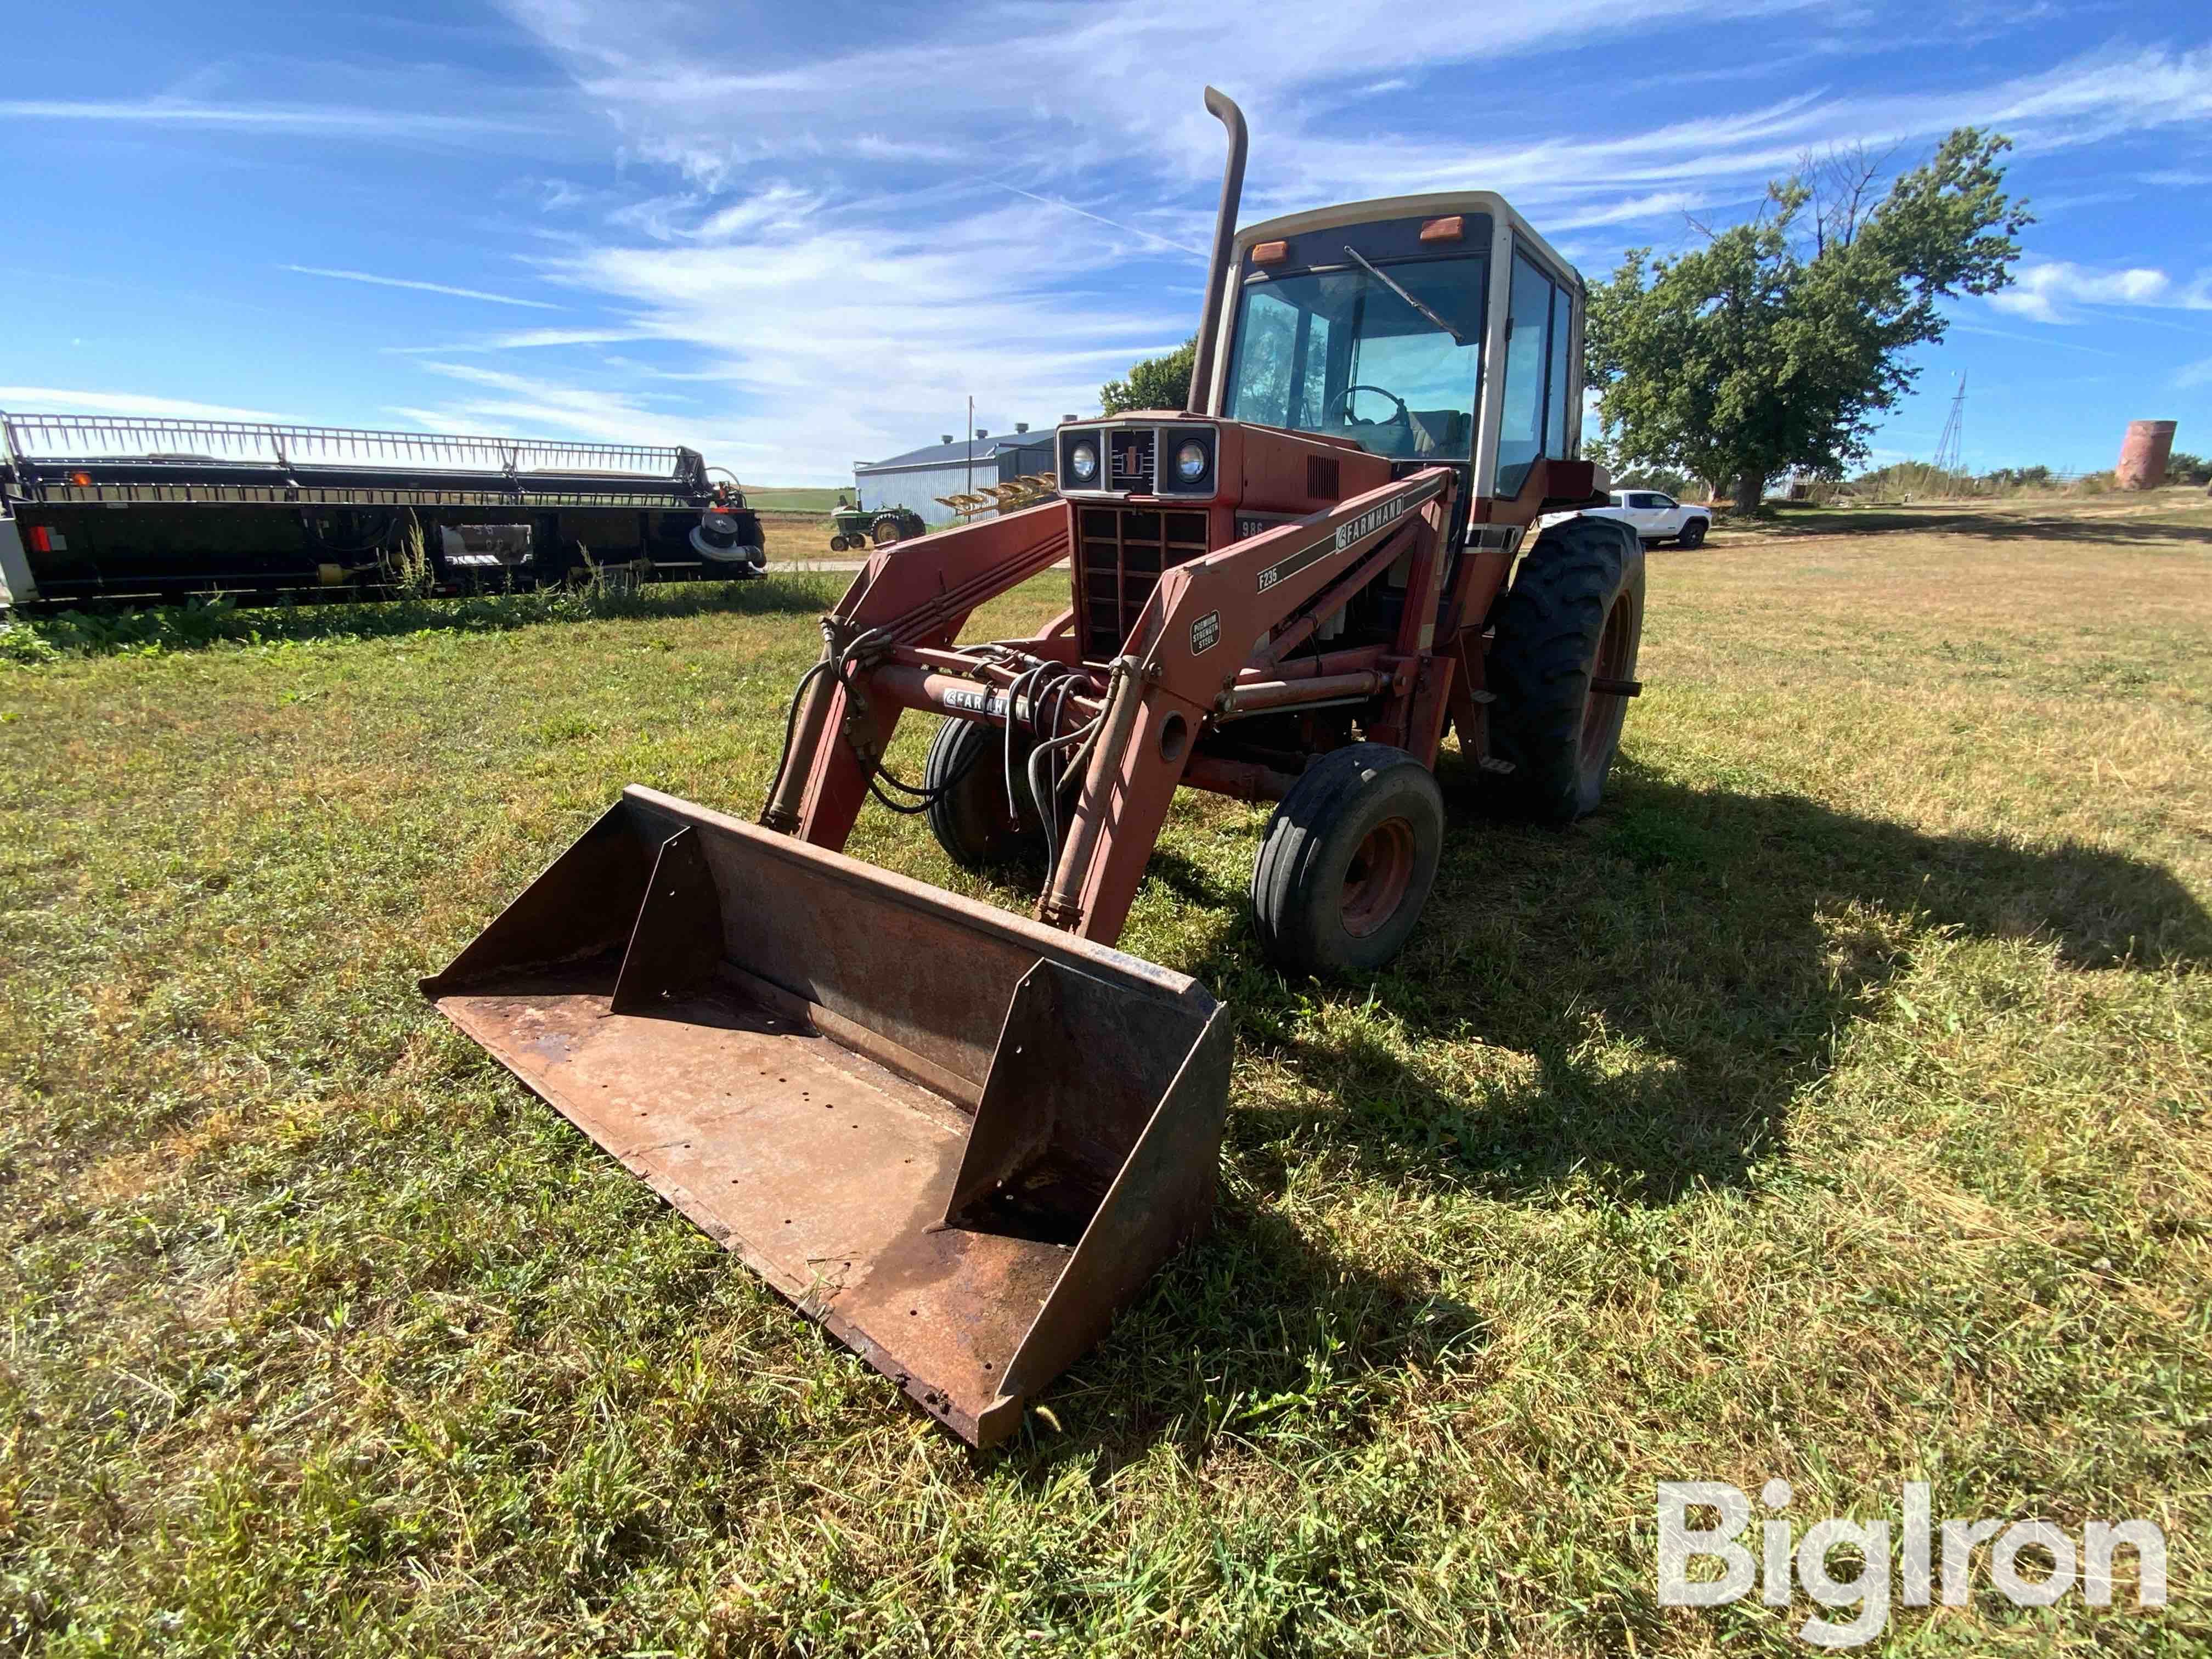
(1156, 383)
(1665, 480)
(1779, 343)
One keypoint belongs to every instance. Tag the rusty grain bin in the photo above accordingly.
(2143, 456)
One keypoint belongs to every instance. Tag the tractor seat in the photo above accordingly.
(1446, 431)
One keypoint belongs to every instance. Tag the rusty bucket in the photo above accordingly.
(958, 1138)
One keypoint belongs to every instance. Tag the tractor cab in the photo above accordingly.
(1421, 330)
(1426, 330)
(1343, 348)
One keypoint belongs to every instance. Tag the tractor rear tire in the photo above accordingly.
(1347, 862)
(966, 777)
(887, 529)
(1575, 613)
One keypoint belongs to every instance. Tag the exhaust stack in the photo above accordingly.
(1223, 108)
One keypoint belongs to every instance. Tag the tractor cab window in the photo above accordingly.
(1336, 351)
(1536, 412)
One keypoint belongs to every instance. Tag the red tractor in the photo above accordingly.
(962, 1138)
(1286, 592)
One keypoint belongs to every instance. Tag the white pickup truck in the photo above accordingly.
(1656, 516)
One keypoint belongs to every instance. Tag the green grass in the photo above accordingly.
(796, 500)
(1833, 1105)
(152, 632)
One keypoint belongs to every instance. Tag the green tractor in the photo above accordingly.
(863, 526)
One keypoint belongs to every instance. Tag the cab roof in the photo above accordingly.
(1432, 204)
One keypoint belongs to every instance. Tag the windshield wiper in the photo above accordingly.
(1352, 253)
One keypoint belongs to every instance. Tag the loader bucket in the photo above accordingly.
(958, 1138)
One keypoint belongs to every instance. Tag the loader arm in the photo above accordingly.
(910, 594)
(1198, 649)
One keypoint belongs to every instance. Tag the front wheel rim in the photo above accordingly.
(1376, 881)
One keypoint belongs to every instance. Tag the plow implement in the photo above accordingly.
(959, 1139)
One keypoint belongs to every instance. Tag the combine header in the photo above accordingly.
(960, 1138)
(121, 509)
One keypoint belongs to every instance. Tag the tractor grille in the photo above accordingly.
(1132, 459)
(1118, 564)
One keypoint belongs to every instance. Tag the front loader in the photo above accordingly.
(960, 1138)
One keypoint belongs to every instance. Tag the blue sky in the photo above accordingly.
(793, 237)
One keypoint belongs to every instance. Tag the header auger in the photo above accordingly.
(1288, 592)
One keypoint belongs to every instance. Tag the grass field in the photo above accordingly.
(800, 500)
(796, 535)
(1835, 1104)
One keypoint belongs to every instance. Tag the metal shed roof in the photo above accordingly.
(952, 454)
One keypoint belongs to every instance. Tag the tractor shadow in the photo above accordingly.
(1718, 947)
(1258, 1329)
(1658, 983)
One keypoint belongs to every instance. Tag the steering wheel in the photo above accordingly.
(1342, 404)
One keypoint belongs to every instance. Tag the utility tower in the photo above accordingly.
(1949, 447)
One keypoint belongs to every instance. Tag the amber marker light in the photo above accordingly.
(1444, 230)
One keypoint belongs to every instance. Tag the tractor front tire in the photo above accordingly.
(965, 776)
(838, 543)
(1575, 613)
(1347, 862)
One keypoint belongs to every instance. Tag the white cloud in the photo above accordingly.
(58, 400)
(2194, 374)
(2055, 290)
(833, 323)
(1109, 71)
(525, 339)
(2042, 342)
(1100, 218)
(1084, 90)
(2087, 98)
(426, 288)
(836, 336)
(1658, 205)
(303, 120)
(505, 403)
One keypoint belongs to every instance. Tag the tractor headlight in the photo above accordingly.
(1190, 461)
(1083, 461)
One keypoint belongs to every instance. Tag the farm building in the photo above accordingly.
(917, 478)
